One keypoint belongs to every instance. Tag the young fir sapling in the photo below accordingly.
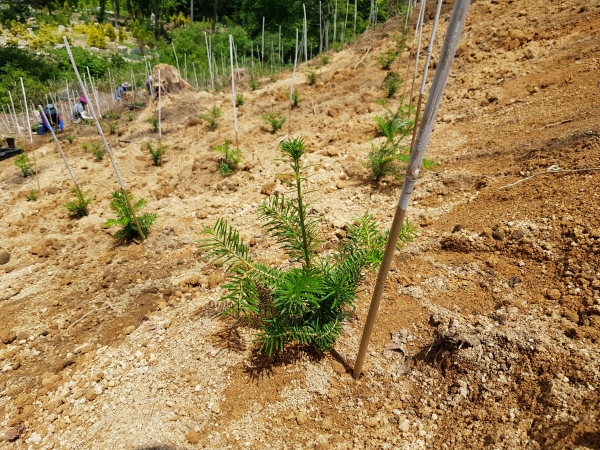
(312, 75)
(112, 127)
(153, 121)
(212, 116)
(239, 99)
(386, 59)
(78, 207)
(96, 149)
(308, 303)
(295, 99)
(70, 138)
(392, 84)
(156, 152)
(273, 119)
(231, 158)
(22, 162)
(125, 218)
(31, 196)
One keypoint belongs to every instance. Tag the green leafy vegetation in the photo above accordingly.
(254, 84)
(125, 218)
(295, 99)
(112, 127)
(230, 160)
(386, 59)
(156, 152)
(312, 75)
(97, 149)
(391, 84)
(129, 117)
(113, 115)
(78, 206)
(212, 116)
(70, 138)
(153, 121)
(325, 59)
(308, 303)
(274, 120)
(22, 162)
(239, 99)
(31, 196)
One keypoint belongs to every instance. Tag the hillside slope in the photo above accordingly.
(489, 331)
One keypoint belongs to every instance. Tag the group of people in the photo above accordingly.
(52, 118)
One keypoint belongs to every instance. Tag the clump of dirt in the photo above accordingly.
(170, 80)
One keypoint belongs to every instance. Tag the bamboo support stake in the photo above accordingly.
(79, 194)
(37, 175)
(159, 121)
(320, 27)
(292, 85)
(15, 115)
(262, 55)
(195, 77)
(408, 57)
(305, 32)
(212, 83)
(176, 59)
(185, 66)
(235, 125)
(424, 80)
(438, 86)
(420, 33)
(355, 12)
(101, 133)
(7, 122)
(335, 21)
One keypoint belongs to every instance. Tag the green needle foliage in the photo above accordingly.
(386, 59)
(231, 158)
(211, 116)
(97, 150)
(308, 303)
(254, 84)
(295, 99)
(391, 84)
(129, 117)
(273, 119)
(78, 207)
(70, 138)
(112, 126)
(110, 114)
(239, 99)
(153, 121)
(125, 217)
(156, 152)
(32, 196)
(324, 59)
(311, 75)
(22, 162)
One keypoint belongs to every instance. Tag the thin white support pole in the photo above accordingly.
(279, 45)
(320, 28)
(262, 55)
(101, 133)
(345, 22)
(159, 115)
(335, 21)
(420, 32)
(305, 33)
(195, 77)
(176, 59)
(355, 12)
(454, 30)
(15, 115)
(185, 66)
(233, 92)
(212, 82)
(37, 176)
(292, 84)
(110, 85)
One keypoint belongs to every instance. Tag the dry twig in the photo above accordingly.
(553, 170)
(87, 314)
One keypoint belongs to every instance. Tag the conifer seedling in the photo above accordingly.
(273, 119)
(78, 207)
(308, 303)
(212, 116)
(22, 162)
(31, 196)
(125, 218)
(231, 158)
(156, 152)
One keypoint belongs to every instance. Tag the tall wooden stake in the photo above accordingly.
(438, 86)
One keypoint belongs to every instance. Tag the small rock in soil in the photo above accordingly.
(268, 188)
(4, 258)
(7, 337)
(301, 418)
(193, 437)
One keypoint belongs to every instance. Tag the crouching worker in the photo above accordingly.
(54, 119)
(121, 89)
(78, 113)
(149, 86)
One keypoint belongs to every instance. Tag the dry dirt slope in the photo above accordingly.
(494, 312)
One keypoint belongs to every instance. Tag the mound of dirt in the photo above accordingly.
(170, 80)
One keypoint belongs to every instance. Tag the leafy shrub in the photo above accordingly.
(78, 207)
(153, 121)
(22, 162)
(337, 46)
(125, 217)
(273, 119)
(386, 59)
(112, 127)
(239, 100)
(311, 75)
(32, 196)
(295, 99)
(308, 303)
(391, 84)
(109, 32)
(122, 35)
(231, 158)
(211, 116)
(98, 151)
(156, 153)
(95, 36)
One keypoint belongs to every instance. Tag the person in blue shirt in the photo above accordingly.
(78, 113)
(54, 118)
(121, 89)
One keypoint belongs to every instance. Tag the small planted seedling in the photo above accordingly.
(231, 157)
(97, 150)
(32, 196)
(110, 114)
(22, 162)
(239, 100)
(125, 218)
(309, 302)
(70, 138)
(156, 152)
(324, 59)
(386, 59)
(312, 75)
(212, 116)
(391, 84)
(153, 121)
(254, 84)
(78, 207)
(112, 127)
(129, 117)
(295, 99)
(273, 119)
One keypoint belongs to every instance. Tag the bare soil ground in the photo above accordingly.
(489, 331)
